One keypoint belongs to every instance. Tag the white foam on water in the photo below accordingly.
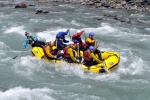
(61, 20)
(50, 34)
(128, 66)
(67, 69)
(2, 55)
(67, 5)
(47, 35)
(73, 22)
(41, 20)
(105, 29)
(137, 15)
(3, 50)
(14, 30)
(136, 67)
(18, 1)
(58, 12)
(4, 47)
(148, 29)
(35, 20)
(21, 93)
(28, 66)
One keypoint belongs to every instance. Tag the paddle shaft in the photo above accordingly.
(105, 68)
(78, 49)
(84, 36)
(17, 55)
(69, 35)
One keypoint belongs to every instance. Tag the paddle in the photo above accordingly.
(84, 36)
(78, 51)
(17, 55)
(56, 48)
(104, 66)
(69, 35)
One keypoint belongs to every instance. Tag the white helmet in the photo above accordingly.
(78, 31)
(71, 42)
(48, 40)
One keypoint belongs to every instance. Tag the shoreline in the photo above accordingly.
(130, 5)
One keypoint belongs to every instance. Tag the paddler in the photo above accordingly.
(69, 54)
(50, 51)
(76, 38)
(32, 40)
(91, 42)
(60, 38)
(90, 58)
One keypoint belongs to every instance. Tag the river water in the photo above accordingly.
(29, 78)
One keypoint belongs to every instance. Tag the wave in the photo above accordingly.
(14, 30)
(19, 93)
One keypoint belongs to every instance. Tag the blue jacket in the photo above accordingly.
(26, 41)
(59, 43)
(62, 35)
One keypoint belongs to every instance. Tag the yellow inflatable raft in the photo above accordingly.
(111, 61)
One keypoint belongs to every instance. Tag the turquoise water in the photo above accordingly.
(28, 78)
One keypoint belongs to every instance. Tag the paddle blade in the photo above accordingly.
(15, 57)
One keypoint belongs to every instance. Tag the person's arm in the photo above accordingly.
(35, 38)
(48, 49)
(25, 43)
(63, 33)
(95, 58)
(65, 41)
(83, 44)
(77, 35)
(71, 54)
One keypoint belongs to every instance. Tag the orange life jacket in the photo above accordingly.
(66, 54)
(52, 51)
(86, 56)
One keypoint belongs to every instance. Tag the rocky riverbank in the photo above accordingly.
(137, 5)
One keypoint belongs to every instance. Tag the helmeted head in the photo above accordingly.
(27, 33)
(48, 41)
(71, 43)
(91, 34)
(78, 31)
(91, 48)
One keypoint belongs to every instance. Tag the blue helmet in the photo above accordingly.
(91, 48)
(91, 34)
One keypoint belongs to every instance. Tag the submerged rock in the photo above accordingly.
(40, 11)
(21, 5)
